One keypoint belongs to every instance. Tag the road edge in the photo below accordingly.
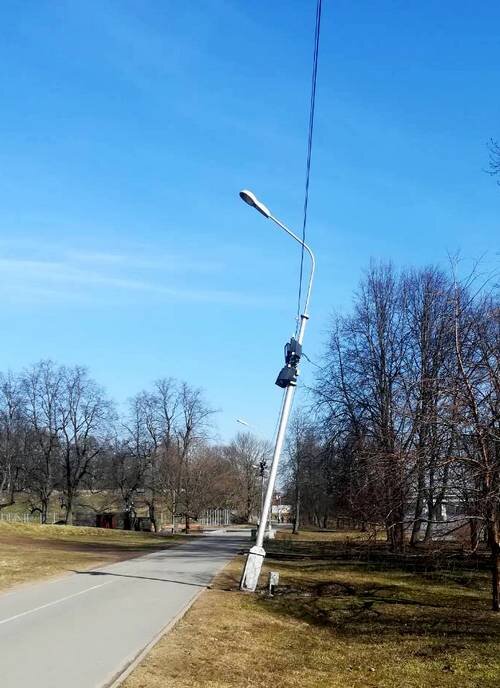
(133, 662)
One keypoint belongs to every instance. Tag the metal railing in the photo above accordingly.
(215, 517)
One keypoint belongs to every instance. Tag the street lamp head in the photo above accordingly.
(252, 200)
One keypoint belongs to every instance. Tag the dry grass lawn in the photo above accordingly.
(29, 552)
(316, 535)
(333, 625)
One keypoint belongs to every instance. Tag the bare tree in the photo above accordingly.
(205, 482)
(85, 418)
(426, 369)
(191, 432)
(477, 348)
(145, 434)
(56, 421)
(42, 390)
(409, 396)
(124, 473)
(307, 472)
(245, 455)
(167, 424)
(13, 439)
(362, 389)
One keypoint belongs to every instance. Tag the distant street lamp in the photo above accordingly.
(287, 379)
(243, 422)
(262, 467)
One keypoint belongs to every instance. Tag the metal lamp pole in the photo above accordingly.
(262, 473)
(286, 379)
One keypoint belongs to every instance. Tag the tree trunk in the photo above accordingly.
(44, 509)
(417, 523)
(127, 521)
(69, 508)
(248, 512)
(296, 515)
(395, 533)
(494, 544)
(474, 533)
(152, 516)
(495, 579)
(429, 528)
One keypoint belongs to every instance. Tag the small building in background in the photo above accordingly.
(117, 520)
(281, 512)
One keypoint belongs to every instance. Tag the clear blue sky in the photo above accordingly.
(128, 128)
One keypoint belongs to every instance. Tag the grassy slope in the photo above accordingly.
(100, 501)
(335, 624)
(28, 552)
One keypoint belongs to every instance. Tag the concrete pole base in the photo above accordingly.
(251, 572)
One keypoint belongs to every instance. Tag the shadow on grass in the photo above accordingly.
(446, 556)
(370, 606)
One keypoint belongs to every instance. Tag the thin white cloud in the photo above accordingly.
(92, 276)
(170, 262)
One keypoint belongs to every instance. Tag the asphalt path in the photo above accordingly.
(82, 630)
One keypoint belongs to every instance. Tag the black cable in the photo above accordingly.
(312, 362)
(309, 147)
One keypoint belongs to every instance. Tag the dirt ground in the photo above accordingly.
(333, 624)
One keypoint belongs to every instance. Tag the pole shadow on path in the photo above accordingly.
(149, 578)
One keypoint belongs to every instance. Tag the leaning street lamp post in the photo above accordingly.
(287, 379)
(262, 473)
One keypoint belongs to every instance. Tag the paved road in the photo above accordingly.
(81, 630)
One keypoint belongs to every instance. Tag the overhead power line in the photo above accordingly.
(309, 145)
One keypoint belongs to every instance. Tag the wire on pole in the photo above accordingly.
(309, 148)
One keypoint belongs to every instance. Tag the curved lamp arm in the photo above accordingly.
(252, 200)
(311, 255)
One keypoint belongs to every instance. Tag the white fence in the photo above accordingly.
(215, 517)
(8, 517)
(210, 517)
